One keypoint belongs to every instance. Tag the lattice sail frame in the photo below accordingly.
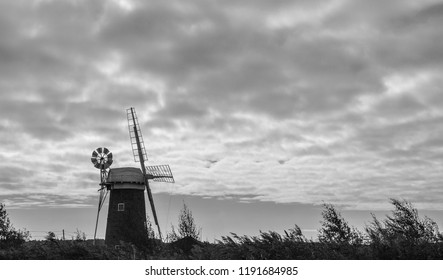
(132, 136)
(160, 173)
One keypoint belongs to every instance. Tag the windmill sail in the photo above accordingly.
(135, 135)
(139, 153)
(160, 173)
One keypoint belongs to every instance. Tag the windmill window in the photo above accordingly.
(121, 207)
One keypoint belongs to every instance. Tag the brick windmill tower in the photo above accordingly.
(127, 185)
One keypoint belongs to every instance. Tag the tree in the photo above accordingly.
(335, 228)
(9, 236)
(5, 223)
(186, 226)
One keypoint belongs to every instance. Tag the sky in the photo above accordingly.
(263, 109)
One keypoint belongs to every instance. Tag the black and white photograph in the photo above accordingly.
(221, 130)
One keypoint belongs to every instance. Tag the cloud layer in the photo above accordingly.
(286, 101)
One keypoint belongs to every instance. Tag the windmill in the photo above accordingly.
(102, 159)
(126, 185)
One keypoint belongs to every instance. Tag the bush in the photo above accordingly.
(186, 226)
(9, 236)
(404, 235)
(335, 228)
(268, 245)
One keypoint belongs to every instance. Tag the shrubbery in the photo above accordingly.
(401, 235)
(186, 226)
(404, 235)
(9, 236)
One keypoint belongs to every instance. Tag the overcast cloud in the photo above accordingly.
(287, 101)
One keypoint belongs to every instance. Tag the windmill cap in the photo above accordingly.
(125, 175)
